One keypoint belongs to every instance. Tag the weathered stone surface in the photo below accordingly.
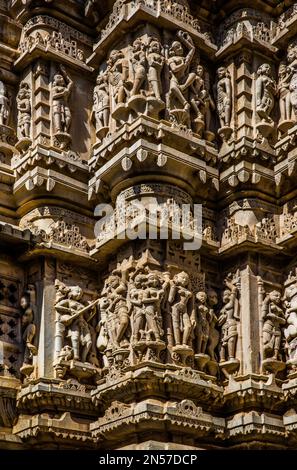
(113, 340)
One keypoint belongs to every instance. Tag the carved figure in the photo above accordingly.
(118, 69)
(290, 331)
(146, 296)
(292, 70)
(28, 331)
(284, 79)
(101, 106)
(61, 90)
(139, 65)
(224, 97)
(202, 324)
(117, 312)
(77, 329)
(24, 110)
(273, 317)
(4, 105)
(227, 320)
(155, 65)
(265, 92)
(178, 66)
(214, 335)
(182, 311)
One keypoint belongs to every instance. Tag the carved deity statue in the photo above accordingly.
(155, 62)
(118, 69)
(292, 70)
(139, 67)
(178, 67)
(146, 295)
(224, 97)
(4, 105)
(265, 92)
(273, 317)
(24, 110)
(284, 79)
(71, 316)
(116, 311)
(290, 331)
(229, 316)
(214, 335)
(28, 331)
(202, 323)
(61, 90)
(182, 311)
(101, 106)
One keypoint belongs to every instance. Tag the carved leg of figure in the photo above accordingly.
(57, 122)
(187, 329)
(176, 326)
(222, 352)
(106, 117)
(138, 325)
(152, 325)
(67, 119)
(26, 129)
(203, 345)
(156, 89)
(175, 92)
(75, 345)
(227, 114)
(277, 343)
(231, 347)
(139, 80)
(282, 108)
(124, 322)
(86, 349)
(198, 334)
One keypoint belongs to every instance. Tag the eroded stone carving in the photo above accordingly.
(224, 102)
(61, 90)
(28, 313)
(101, 107)
(265, 98)
(273, 321)
(24, 111)
(4, 105)
(228, 323)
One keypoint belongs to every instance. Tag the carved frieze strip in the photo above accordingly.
(163, 133)
(255, 423)
(63, 428)
(244, 172)
(65, 160)
(142, 13)
(38, 177)
(184, 414)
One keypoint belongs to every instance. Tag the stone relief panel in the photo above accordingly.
(134, 81)
(53, 35)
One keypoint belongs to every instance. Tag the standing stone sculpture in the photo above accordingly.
(286, 113)
(118, 70)
(146, 295)
(61, 90)
(28, 331)
(292, 70)
(75, 337)
(214, 335)
(101, 106)
(117, 311)
(273, 321)
(178, 105)
(290, 331)
(182, 315)
(228, 322)
(155, 61)
(24, 112)
(224, 102)
(202, 329)
(4, 105)
(139, 66)
(265, 98)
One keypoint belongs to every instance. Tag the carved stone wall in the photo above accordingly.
(115, 117)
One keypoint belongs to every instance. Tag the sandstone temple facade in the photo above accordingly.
(110, 342)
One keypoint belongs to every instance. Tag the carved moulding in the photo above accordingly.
(150, 414)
